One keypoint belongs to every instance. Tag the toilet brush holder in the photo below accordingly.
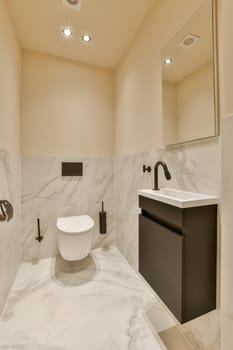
(103, 220)
(39, 237)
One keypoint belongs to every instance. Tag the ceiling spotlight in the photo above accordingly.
(67, 32)
(86, 38)
(168, 60)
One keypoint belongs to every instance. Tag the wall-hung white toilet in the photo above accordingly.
(74, 236)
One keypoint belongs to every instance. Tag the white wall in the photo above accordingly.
(10, 64)
(67, 107)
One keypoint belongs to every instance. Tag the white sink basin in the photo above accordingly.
(178, 198)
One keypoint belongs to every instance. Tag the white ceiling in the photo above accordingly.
(112, 23)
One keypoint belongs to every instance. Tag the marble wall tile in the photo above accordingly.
(47, 195)
(9, 231)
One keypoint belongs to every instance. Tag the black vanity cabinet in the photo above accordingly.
(177, 255)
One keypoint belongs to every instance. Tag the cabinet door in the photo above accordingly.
(160, 262)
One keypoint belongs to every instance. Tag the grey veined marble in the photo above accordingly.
(48, 195)
(9, 232)
(58, 305)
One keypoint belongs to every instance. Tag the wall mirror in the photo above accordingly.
(189, 80)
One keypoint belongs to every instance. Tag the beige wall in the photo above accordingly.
(10, 65)
(169, 113)
(67, 107)
(227, 176)
(138, 80)
(195, 105)
(188, 107)
(226, 50)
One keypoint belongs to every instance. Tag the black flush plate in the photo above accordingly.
(72, 169)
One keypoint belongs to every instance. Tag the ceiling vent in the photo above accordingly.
(73, 4)
(189, 40)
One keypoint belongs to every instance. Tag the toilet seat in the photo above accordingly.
(75, 224)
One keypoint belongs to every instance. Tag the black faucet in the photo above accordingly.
(166, 173)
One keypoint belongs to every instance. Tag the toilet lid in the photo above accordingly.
(75, 224)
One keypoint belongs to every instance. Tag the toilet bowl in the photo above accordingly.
(74, 236)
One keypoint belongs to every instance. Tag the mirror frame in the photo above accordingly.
(215, 38)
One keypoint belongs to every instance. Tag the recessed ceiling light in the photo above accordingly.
(86, 38)
(67, 32)
(168, 60)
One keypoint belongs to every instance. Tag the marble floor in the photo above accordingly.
(98, 304)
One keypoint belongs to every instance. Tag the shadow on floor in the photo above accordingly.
(74, 273)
